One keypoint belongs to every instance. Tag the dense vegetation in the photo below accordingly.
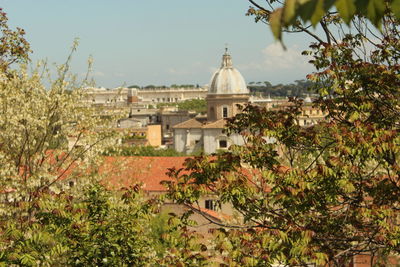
(316, 195)
(54, 209)
(322, 194)
(145, 151)
(300, 89)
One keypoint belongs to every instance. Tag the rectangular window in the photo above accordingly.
(211, 204)
(223, 144)
(225, 112)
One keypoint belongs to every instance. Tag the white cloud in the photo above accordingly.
(276, 58)
(291, 58)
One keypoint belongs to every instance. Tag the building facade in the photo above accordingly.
(227, 90)
(127, 96)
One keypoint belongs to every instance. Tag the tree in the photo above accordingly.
(319, 194)
(13, 46)
(143, 151)
(292, 13)
(300, 89)
(54, 210)
(49, 141)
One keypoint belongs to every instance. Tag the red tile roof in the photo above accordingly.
(121, 172)
(211, 213)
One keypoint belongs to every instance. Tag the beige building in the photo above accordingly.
(169, 117)
(149, 135)
(227, 90)
(128, 96)
(169, 95)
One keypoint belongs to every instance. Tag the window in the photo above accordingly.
(225, 112)
(167, 126)
(211, 204)
(223, 144)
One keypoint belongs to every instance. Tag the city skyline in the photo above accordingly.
(157, 42)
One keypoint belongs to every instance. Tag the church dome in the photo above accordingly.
(227, 80)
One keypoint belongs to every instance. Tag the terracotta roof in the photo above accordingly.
(211, 213)
(219, 124)
(192, 123)
(122, 172)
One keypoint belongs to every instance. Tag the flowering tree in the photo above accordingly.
(319, 194)
(13, 46)
(54, 211)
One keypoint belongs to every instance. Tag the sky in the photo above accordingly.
(157, 42)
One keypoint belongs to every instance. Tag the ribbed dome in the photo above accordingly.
(227, 80)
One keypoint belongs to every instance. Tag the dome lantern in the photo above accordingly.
(227, 80)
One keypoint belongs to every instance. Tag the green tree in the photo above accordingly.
(53, 210)
(319, 194)
(291, 14)
(100, 228)
(144, 151)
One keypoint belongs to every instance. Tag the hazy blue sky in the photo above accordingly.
(156, 41)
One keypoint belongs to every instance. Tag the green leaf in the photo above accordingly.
(289, 11)
(396, 8)
(361, 6)
(275, 23)
(318, 12)
(346, 9)
(375, 10)
(306, 9)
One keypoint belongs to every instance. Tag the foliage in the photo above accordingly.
(145, 151)
(100, 228)
(35, 123)
(53, 211)
(318, 194)
(300, 88)
(13, 46)
(49, 141)
(292, 13)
